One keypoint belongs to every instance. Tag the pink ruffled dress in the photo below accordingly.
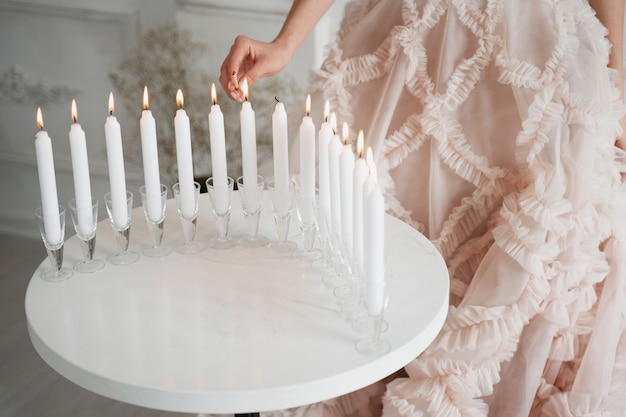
(493, 123)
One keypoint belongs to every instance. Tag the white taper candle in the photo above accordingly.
(80, 171)
(47, 184)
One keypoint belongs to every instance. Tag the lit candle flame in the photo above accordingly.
(74, 111)
(308, 105)
(345, 133)
(244, 88)
(359, 144)
(213, 94)
(146, 101)
(111, 105)
(180, 101)
(39, 118)
(326, 110)
(333, 122)
(370, 163)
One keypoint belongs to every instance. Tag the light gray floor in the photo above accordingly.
(28, 386)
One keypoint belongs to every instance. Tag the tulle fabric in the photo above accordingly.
(493, 124)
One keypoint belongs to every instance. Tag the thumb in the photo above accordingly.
(251, 76)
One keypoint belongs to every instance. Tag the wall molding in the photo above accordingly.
(269, 8)
(127, 20)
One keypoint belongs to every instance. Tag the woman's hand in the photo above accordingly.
(252, 60)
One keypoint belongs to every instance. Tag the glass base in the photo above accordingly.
(373, 348)
(189, 248)
(222, 243)
(252, 241)
(283, 247)
(156, 251)
(52, 275)
(86, 266)
(307, 255)
(123, 258)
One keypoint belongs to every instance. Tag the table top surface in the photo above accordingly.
(226, 331)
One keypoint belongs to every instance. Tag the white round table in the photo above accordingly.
(231, 331)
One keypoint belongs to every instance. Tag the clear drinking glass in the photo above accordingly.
(189, 246)
(306, 210)
(221, 196)
(154, 209)
(252, 212)
(54, 245)
(324, 264)
(120, 216)
(282, 204)
(373, 344)
(85, 222)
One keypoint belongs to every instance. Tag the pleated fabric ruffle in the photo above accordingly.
(493, 124)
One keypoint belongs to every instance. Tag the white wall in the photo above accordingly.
(51, 52)
(54, 50)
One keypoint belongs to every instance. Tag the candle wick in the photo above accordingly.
(75, 119)
(110, 112)
(277, 100)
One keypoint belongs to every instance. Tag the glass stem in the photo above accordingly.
(253, 223)
(122, 238)
(156, 232)
(282, 227)
(222, 225)
(189, 229)
(88, 247)
(56, 257)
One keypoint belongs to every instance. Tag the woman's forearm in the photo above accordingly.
(300, 21)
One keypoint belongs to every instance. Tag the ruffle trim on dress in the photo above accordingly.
(455, 151)
(525, 75)
(402, 142)
(449, 387)
(365, 402)
(543, 115)
(463, 220)
(481, 22)
(526, 245)
(370, 66)
(442, 397)
(467, 74)
(353, 13)
(557, 403)
(468, 326)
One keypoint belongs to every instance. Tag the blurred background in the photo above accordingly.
(52, 51)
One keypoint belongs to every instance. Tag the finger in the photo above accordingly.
(234, 80)
(232, 63)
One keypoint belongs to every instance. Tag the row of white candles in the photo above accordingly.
(348, 187)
